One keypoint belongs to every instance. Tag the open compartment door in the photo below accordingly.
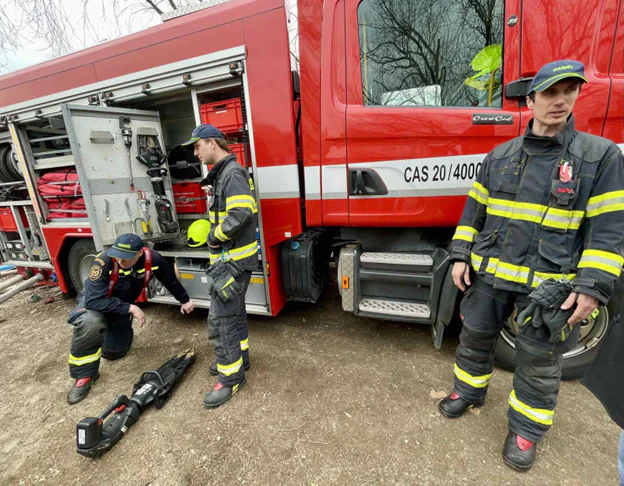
(122, 194)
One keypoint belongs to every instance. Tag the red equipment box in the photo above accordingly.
(238, 149)
(7, 222)
(225, 115)
(189, 197)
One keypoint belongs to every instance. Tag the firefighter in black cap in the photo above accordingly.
(103, 316)
(233, 256)
(547, 207)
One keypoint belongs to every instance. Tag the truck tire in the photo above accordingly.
(5, 175)
(12, 165)
(575, 362)
(79, 261)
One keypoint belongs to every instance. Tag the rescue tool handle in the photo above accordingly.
(117, 402)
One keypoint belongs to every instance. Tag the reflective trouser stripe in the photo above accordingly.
(83, 360)
(475, 381)
(230, 369)
(465, 233)
(602, 260)
(244, 344)
(539, 415)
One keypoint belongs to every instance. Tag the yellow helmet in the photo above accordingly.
(197, 234)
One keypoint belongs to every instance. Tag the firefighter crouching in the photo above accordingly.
(546, 207)
(233, 256)
(103, 316)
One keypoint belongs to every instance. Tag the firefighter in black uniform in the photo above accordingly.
(233, 256)
(103, 316)
(546, 205)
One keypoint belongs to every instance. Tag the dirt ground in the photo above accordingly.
(330, 399)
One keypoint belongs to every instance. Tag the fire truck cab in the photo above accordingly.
(362, 159)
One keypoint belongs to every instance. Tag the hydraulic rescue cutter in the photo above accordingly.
(97, 435)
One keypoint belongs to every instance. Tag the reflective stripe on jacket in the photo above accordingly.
(546, 207)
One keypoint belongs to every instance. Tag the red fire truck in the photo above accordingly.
(363, 158)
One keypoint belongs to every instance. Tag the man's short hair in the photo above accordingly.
(222, 143)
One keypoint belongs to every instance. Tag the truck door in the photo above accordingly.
(122, 195)
(425, 84)
(549, 33)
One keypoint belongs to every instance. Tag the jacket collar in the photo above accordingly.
(535, 143)
(217, 169)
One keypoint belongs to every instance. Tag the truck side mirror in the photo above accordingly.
(518, 88)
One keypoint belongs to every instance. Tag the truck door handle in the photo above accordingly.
(518, 88)
(366, 182)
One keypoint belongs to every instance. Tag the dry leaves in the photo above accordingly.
(438, 395)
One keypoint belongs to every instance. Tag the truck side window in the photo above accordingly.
(431, 52)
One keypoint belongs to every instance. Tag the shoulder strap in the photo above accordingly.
(148, 267)
(112, 279)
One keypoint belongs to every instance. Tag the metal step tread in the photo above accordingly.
(395, 308)
(396, 258)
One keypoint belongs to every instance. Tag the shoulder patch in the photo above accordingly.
(95, 272)
(100, 261)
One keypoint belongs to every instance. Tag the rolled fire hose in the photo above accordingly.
(19, 287)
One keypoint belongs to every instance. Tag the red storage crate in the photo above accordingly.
(7, 222)
(238, 149)
(226, 115)
(189, 197)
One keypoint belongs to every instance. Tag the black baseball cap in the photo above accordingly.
(126, 246)
(204, 131)
(555, 71)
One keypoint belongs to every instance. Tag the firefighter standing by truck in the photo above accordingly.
(544, 206)
(233, 256)
(105, 310)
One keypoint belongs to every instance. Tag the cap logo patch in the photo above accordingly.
(562, 68)
(124, 245)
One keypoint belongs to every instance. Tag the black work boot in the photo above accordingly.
(221, 394)
(212, 369)
(81, 388)
(518, 452)
(455, 406)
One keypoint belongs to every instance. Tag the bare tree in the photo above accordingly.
(25, 22)
(420, 52)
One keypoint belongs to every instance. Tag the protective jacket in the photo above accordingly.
(129, 284)
(233, 213)
(546, 207)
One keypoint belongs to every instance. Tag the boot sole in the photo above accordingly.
(517, 467)
(218, 404)
(216, 373)
(80, 399)
(457, 415)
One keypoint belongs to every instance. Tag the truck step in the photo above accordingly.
(409, 259)
(395, 308)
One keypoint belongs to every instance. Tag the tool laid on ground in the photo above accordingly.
(151, 155)
(96, 435)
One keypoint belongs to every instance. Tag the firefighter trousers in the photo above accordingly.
(228, 332)
(98, 336)
(532, 401)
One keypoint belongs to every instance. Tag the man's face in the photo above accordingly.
(553, 105)
(127, 263)
(206, 151)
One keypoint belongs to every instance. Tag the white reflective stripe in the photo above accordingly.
(244, 344)
(513, 273)
(312, 177)
(334, 181)
(476, 261)
(539, 415)
(539, 277)
(424, 177)
(228, 370)
(465, 233)
(474, 381)
(83, 360)
(236, 253)
(602, 260)
(278, 182)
